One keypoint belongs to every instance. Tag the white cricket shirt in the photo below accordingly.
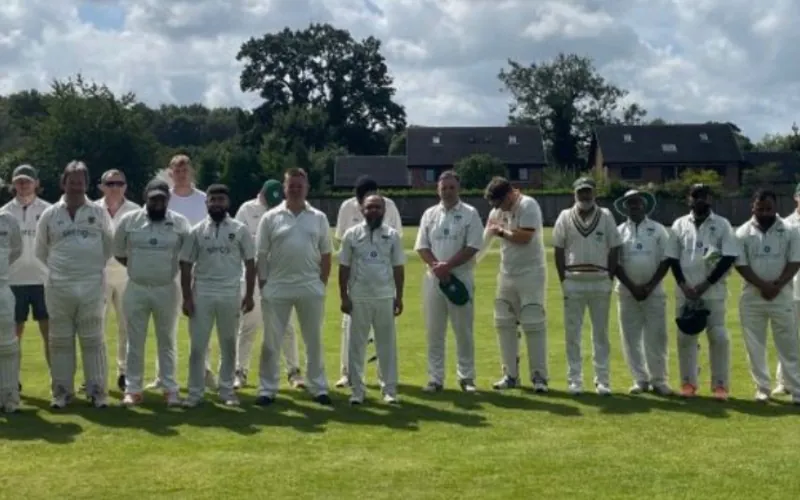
(767, 253)
(27, 270)
(218, 252)
(372, 256)
(75, 250)
(644, 248)
(690, 244)
(793, 220)
(586, 242)
(10, 244)
(193, 207)
(446, 232)
(289, 251)
(350, 216)
(152, 248)
(516, 259)
(127, 206)
(250, 214)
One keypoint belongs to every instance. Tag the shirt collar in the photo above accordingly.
(284, 208)
(711, 216)
(774, 227)
(456, 208)
(645, 222)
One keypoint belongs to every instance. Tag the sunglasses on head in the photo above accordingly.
(114, 183)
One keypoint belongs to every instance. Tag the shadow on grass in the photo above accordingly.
(28, 425)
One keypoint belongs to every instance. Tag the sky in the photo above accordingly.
(683, 60)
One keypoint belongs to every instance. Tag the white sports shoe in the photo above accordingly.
(780, 390)
(342, 382)
(638, 388)
(155, 384)
(603, 390)
(230, 401)
(131, 400)
(240, 379)
(355, 400)
(100, 400)
(390, 399)
(191, 402)
(61, 401)
(540, 386)
(575, 389)
(761, 396)
(172, 398)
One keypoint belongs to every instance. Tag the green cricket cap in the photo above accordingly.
(273, 192)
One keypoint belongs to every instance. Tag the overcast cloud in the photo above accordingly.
(683, 60)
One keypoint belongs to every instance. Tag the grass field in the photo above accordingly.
(447, 445)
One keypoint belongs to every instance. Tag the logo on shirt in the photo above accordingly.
(91, 219)
(373, 254)
(699, 244)
(457, 217)
(153, 241)
(37, 217)
(169, 224)
(638, 246)
(712, 228)
(222, 250)
(446, 232)
(385, 236)
(767, 249)
(75, 232)
(231, 236)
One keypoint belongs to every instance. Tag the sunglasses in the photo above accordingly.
(114, 184)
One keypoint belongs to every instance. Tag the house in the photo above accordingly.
(660, 153)
(432, 150)
(388, 171)
(787, 163)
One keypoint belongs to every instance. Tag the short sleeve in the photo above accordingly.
(729, 245)
(794, 245)
(393, 218)
(42, 239)
(674, 242)
(189, 248)
(241, 214)
(475, 232)
(423, 241)
(614, 239)
(398, 252)
(120, 241)
(325, 243)
(663, 242)
(742, 258)
(346, 252)
(559, 231)
(247, 244)
(531, 216)
(341, 220)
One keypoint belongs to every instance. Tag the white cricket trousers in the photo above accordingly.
(76, 310)
(376, 315)
(9, 349)
(438, 309)
(755, 315)
(161, 303)
(224, 312)
(580, 295)
(643, 328)
(779, 370)
(116, 281)
(310, 311)
(719, 352)
(248, 329)
(520, 300)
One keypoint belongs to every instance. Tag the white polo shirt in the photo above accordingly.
(152, 248)
(793, 220)
(250, 214)
(218, 252)
(516, 259)
(350, 216)
(644, 248)
(27, 270)
(10, 244)
(75, 251)
(586, 242)
(371, 257)
(289, 251)
(193, 207)
(127, 206)
(446, 232)
(767, 253)
(690, 244)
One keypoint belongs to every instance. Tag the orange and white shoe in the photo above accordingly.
(720, 393)
(130, 400)
(688, 390)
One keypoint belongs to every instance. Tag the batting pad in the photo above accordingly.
(95, 364)
(9, 372)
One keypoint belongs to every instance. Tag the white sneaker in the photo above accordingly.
(356, 400)
(240, 379)
(390, 399)
(603, 390)
(762, 396)
(191, 402)
(575, 389)
(172, 398)
(100, 400)
(155, 384)
(780, 390)
(230, 401)
(662, 389)
(131, 400)
(342, 382)
(211, 381)
(638, 388)
(61, 401)
(540, 386)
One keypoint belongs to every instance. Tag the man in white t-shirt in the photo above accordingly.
(28, 275)
(113, 186)
(450, 234)
(293, 248)
(74, 240)
(216, 250)
(642, 302)
(586, 253)
(350, 216)
(702, 252)
(768, 260)
(10, 251)
(371, 281)
(250, 213)
(521, 283)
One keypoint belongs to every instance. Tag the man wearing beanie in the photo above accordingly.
(250, 213)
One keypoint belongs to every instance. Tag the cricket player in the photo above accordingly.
(113, 185)
(450, 234)
(293, 248)
(587, 247)
(74, 239)
(520, 297)
(768, 260)
(10, 251)
(147, 242)
(371, 282)
(350, 215)
(250, 213)
(703, 248)
(792, 220)
(642, 304)
(185, 199)
(216, 250)
(28, 274)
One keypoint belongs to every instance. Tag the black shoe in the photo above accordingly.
(323, 399)
(505, 383)
(467, 385)
(122, 382)
(264, 400)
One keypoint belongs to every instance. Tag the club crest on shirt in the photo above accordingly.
(767, 249)
(385, 236)
(638, 246)
(153, 241)
(169, 223)
(651, 230)
(457, 217)
(446, 232)
(91, 219)
(699, 244)
(712, 228)
(231, 236)
(373, 254)
(37, 217)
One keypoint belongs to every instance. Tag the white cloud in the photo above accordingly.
(684, 60)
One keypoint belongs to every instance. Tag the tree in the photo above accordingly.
(781, 142)
(398, 145)
(768, 174)
(325, 68)
(566, 97)
(477, 170)
(242, 174)
(679, 188)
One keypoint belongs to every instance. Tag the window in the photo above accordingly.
(472, 140)
(627, 138)
(522, 174)
(436, 140)
(430, 175)
(512, 139)
(669, 148)
(631, 173)
(704, 137)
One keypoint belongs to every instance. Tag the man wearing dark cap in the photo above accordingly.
(350, 215)
(702, 251)
(250, 213)
(147, 242)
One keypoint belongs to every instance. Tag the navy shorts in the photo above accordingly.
(29, 298)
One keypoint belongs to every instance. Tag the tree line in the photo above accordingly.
(323, 94)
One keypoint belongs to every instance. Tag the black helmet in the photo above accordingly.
(692, 318)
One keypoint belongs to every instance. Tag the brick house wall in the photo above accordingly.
(426, 177)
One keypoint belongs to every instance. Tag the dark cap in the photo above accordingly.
(25, 172)
(156, 187)
(272, 190)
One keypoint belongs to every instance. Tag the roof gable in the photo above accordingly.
(679, 143)
(387, 171)
(522, 145)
